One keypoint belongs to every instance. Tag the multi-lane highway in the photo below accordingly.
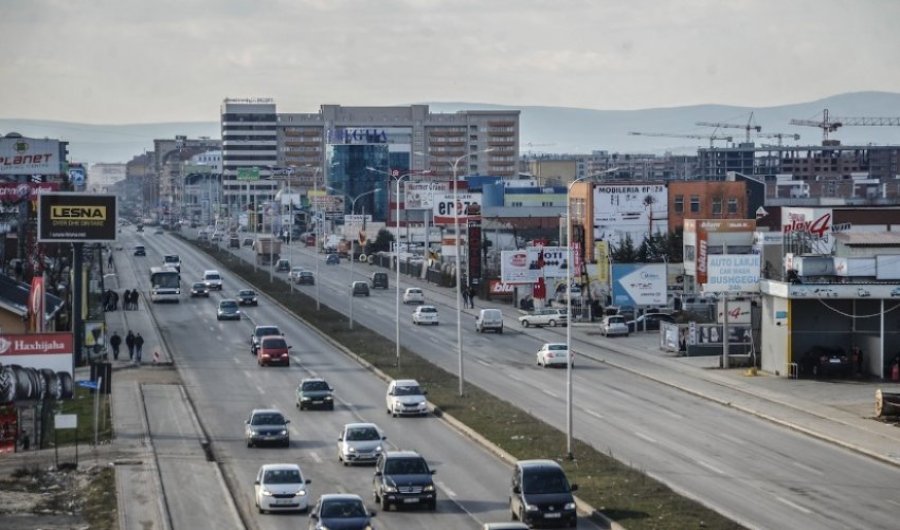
(759, 474)
(224, 384)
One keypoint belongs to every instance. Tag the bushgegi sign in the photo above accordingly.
(76, 217)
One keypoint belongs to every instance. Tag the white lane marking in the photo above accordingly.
(247, 374)
(809, 468)
(295, 358)
(515, 378)
(710, 467)
(792, 504)
(237, 360)
(892, 501)
(315, 456)
(594, 413)
(672, 414)
(450, 492)
(483, 362)
(732, 439)
(644, 437)
(551, 394)
(259, 388)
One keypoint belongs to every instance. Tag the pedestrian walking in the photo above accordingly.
(129, 342)
(471, 298)
(138, 348)
(857, 358)
(115, 341)
(109, 262)
(465, 297)
(134, 299)
(115, 301)
(126, 300)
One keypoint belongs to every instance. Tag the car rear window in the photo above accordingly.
(556, 347)
(212, 277)
(427, 310)
(616, 320)
(315, 385)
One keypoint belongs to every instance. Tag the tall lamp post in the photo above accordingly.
(352, 211)
(316, 248)
(569, 322)
(459, 348)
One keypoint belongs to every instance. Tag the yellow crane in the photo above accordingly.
(711, 137)
(830, 124)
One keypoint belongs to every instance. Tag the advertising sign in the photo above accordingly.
(813, 225)
(639, 284)
(887, 267)
(248, 173)
(636, 210)
(76, 217)
(420, 195)
(701, 256)
(36, 315)
(474, 250)
(736, 273)
(29, 156)
(738, 312)
(601, 255)
(36, 366)
(13, 192)
(444, 210)
(498, 288)
(527, 265)
(357, 219)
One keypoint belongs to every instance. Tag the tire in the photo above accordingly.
(433, 505)
(385, 505)
(525, 324)
(249, 443)
(501, 330)
(552, 323)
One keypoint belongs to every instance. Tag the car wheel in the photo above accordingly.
(501, 330)
(258, 507)
(433, 505)
(385, 505)
(552, 323)
(525, 324)
(249, 443)
(331, 406)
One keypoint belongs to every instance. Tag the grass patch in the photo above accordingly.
(82, 405)
(622, 493)
(100, 504)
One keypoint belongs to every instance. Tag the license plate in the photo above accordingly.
(835, 361)
(552, 515)
(411, 500)
(319, 401)
(286, 501)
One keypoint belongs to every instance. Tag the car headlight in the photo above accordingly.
(390, 489)
(254, 432)
(531, 508)
(283, 432)
(378, 449)
(351, 449)
(266, 492)
(305, 398)
(569, 506)
(429, 487)
(301, 493)
(328, 398)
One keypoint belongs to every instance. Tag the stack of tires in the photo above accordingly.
(18, 383)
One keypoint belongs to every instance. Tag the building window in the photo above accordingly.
(717, 206)
(679, 204)
(695, 204)
(516, 203)
(732, 205)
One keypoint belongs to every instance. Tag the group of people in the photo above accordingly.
(133, 341)
(468, 296)
(129, 300)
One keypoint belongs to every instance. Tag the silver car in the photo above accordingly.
(614, 325)
(267, 426)
(360, 443)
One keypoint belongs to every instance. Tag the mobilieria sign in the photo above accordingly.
(76, 217)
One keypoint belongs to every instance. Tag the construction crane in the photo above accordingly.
(779, 135)
(747, 128)
(711, 137)
(830, 124)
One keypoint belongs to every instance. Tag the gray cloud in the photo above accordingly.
(115, 61)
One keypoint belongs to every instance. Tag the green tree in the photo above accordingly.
(383, 242)
(624, 252)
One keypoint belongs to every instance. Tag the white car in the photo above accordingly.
(212, 279)
(425, 314)
(554, 354)
(281, 487)
(405, 397)
(544, 317)
(294, 275)
(414, 295)
(360, 443)
(614, 325)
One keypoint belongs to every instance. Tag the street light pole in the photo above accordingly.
(458, 267)
(352, 212)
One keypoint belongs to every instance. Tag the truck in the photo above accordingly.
(268, 250)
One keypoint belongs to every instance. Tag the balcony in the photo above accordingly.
(501, 123)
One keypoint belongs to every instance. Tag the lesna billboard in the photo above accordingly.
(76, 218)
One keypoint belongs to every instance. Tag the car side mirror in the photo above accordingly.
(313, 515)
(290, 347)
(247, 422)
(287, 421)
(573, 487)
(309, 481)
(433, 471)
(517, 490)
(378, 473)
(373, 513)
(384, 437)
(256, 482)
(340, 438)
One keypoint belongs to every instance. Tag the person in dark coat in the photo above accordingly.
(115, 341)
(129, 342)
(138, 348)
(126, 300)
(134, 299)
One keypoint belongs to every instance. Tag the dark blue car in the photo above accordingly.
(340, 512)
(333, 259)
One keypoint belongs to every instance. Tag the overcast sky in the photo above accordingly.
(135, 61)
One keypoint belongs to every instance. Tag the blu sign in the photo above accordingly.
(639, 284)
(732, 273)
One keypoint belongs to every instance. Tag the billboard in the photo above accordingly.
(474, 242)
(17, 192)
(76, 217)
(639, 284)
(420, 195)
(247, 173)
(811, 225)
(735, 273)
(36, 366)
(636, 210)
(529, 264)
(444, 210)
(28, 156)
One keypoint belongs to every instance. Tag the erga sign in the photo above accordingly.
(76, 217)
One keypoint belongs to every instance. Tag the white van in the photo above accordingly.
(489, 319)
(212, 279)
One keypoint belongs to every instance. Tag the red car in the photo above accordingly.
(273, 349)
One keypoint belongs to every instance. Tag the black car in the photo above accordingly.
(541, 495)
(359, 289)
(333, 259)
(402, 478)
(306, 278)
(315, 392)
(341, 511)
(140, 250)
(650, 320)
(379, 280)
(282, 265)
(199, 289)
(259, 332)
(826, 361)
(247, 297)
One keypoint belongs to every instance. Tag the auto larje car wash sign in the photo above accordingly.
(76, 218)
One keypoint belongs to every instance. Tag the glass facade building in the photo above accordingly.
(349, 176)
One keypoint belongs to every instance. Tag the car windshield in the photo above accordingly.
(171, 259)
(282, 476)
(278, 343)
(267, 330)
(405, 466)
(414, 291)
(247, 293)
(362, 434)
(213, 277)
(343, 509)
(139, 248)
(228, 304)
(267, 418)
(315, 385)
(539, 482)
(412, 390)
(199, 286)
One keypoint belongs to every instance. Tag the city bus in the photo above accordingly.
(165, 284)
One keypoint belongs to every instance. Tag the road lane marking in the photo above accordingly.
(259, 388)
(483, 362)
(315, 456)
(644, 437)
(792, 504)
(809, 468)
(247, 374)
(551, 394)
(710, 467)
(448, 491)
(672, 414)
(594, 413)
(515, 378)
(237, 360)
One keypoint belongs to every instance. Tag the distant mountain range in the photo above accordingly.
(543, 129)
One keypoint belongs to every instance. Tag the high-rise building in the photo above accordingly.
(249, 152)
